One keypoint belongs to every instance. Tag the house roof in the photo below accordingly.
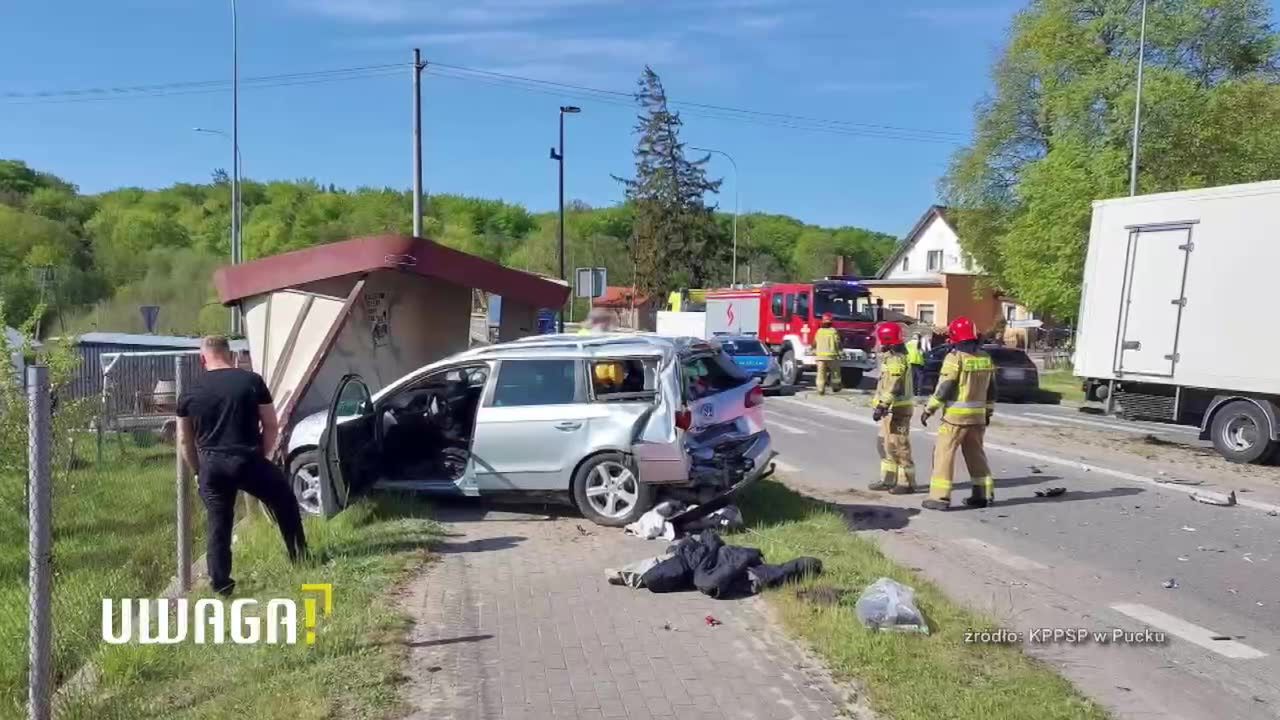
(934, 211)
(617, 296)
(155, 341)
(385, 252)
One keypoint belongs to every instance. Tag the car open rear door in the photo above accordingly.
(658, 443)
(346, 447)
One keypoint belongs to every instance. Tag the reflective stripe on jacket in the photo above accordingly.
(915, 356)
(966, 387)
(894, 390)
(826, 344)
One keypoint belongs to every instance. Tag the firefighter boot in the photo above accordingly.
(888, 470)
(983, 493)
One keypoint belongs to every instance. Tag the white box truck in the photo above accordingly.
(1175, 313)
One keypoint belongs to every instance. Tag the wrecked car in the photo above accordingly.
(609, 422)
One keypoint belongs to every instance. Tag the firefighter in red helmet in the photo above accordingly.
(826, 345)
(965, 394)
(893, 405)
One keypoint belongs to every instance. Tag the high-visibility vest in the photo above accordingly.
(826, 344)
(894, 389)
(915, 356)
(584, 331)
(972, 376)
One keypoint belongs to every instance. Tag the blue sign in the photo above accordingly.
(546, 322)
(495, 311)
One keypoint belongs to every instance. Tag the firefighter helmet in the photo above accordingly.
(961, 329)
(826, 319)
(889, 334)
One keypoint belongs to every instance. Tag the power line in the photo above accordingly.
(198, 86)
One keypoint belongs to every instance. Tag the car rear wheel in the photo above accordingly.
(304, 479)
(608, 491)
(1242, 433)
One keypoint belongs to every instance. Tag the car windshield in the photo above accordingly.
(851, 305)
(743, 347)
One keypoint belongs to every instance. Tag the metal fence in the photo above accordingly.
(106, 524)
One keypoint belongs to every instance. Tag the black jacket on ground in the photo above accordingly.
(704, 562)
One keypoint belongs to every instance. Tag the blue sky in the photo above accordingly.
(914, 63)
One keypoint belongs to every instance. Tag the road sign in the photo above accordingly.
(1026, 323)
(495, 310)
(150, 313)
(590, 282)
(546, 322)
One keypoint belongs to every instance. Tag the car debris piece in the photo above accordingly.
(1214, 498)
(1170, 584)
(1188, 528)
(1183, 558)
(583, 531)
(710, 620)
(1035, 470)
(887, 604)
(1273, 513)
(1220, 637)
(1051, 492)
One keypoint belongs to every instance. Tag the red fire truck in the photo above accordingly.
(786, 316)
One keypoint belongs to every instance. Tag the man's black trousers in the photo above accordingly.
(222, 476)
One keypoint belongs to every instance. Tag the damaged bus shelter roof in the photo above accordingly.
(379, 307)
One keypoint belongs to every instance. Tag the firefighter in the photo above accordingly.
(893, 406)
(915, 359)
(826, 345)
(966, 395)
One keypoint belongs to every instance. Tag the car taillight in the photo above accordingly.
(755, 397)
(684, 419)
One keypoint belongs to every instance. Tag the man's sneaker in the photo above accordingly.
(880, 486)
(932, 504)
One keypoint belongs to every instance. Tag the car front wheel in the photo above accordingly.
(790, 368)
(608, 491)
(304, 479)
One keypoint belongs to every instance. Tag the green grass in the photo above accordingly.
(906, 676)
(113, 532)
(1062, 382)
(353, 670)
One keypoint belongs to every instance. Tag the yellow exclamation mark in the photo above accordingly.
(310, 605)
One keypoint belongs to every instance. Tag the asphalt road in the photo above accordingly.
(1097, 557)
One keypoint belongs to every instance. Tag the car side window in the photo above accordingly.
(802, 306)
(614, 380)
(776, 305)
(535, 382)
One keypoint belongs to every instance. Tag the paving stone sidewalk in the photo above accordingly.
(516, 621)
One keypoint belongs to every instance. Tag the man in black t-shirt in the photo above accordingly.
(226, 425)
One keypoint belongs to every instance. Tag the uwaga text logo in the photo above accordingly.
(160, 621)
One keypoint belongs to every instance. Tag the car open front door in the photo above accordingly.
(348, 442)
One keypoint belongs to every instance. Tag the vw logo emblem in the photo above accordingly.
(708, 410)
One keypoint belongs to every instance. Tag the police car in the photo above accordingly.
(753, 357)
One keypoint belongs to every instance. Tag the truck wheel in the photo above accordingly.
(1098, 392)
(790, 368)
(608, 491)
(1242, 433)
(851, 378)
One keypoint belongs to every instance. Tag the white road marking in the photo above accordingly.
(770, 423)
(786, 467)
(1000, 555)
(1188, 631)
(793, 419)
(1055, 460)
(1132, 427)
(1023, 418)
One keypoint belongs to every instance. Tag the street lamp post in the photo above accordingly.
(236, 211)
(1137, 105)
(734, 273)
(236, 248)
(558, 156)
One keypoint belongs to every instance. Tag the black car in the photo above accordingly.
(1016, 375)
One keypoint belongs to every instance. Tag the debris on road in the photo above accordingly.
(1188, 528)
(583, 531)
(712, 621)
(1202, 548)
(1273, 513)
(1183, 558)
(1035, 470)
(665, 521)
(1214, 498)
(1176, 481)
(887, 604)
(1051, 492)
(1220, 637)
(1170, 584)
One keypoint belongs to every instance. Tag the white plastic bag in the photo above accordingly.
(889, 605)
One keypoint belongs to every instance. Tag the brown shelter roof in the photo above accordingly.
(385, 252)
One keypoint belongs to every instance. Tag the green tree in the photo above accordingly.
(675, 241)
(1055, 132)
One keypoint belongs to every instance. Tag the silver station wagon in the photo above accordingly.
(608, 421)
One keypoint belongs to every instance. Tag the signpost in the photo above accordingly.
(1026, 323)
(150, 314)
(590, 282)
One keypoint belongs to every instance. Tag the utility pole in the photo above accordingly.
(418, 66)
(1137, 105)
(236, 250)
(559, 157)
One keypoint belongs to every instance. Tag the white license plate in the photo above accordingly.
(1015, 374)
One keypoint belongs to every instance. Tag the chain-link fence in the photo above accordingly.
(112, 495)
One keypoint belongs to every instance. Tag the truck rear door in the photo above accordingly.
(1152, 300)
